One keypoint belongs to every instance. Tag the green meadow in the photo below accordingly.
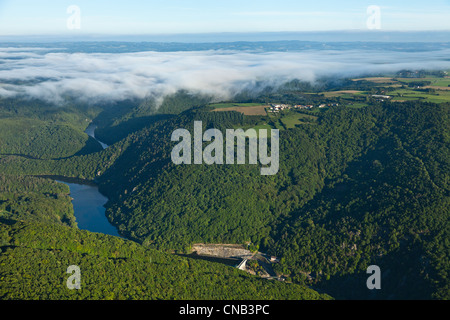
(408, 95)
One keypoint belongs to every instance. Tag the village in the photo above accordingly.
(279, 107)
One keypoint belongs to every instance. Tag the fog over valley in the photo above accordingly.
(53, 73)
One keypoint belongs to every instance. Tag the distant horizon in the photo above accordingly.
(352, 35)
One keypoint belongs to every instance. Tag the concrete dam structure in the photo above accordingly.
(221, 250)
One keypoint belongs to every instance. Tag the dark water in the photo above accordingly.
(88, 204)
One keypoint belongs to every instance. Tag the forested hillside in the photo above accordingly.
(118, 121)
(35, 256)
(386, 210)
(35, 199)
(356, 187)
(35, 129)
(39, 239)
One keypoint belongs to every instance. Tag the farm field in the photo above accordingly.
(377, 79)
(435, 82)
(399, 91)
(233, 104)
(407, 95)
(341, 93)
(248, 109)
(292, 119)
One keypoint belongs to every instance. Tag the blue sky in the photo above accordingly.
(30, 17)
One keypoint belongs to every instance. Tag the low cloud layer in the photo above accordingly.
(104, 77)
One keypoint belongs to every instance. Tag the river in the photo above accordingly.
(89, 210)
(90, 130)
(88, 203)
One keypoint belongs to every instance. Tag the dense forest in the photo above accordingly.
(360, 186)
(35, 199)
(41, 130)
(35, 257)
(40, 239)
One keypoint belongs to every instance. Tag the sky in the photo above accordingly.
(62, 17)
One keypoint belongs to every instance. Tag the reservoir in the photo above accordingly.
(88, 205)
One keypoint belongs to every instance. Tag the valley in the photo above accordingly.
(363, 179)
